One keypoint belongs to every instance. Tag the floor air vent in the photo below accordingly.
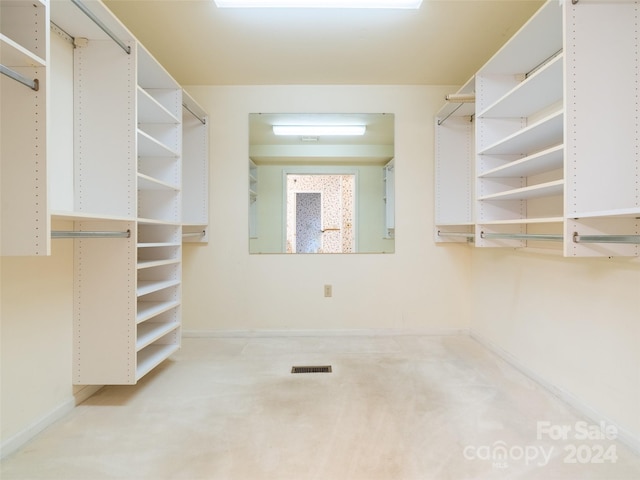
(314, 369)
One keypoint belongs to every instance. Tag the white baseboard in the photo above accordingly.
(623, 435)
(364, 332)
(21, 438)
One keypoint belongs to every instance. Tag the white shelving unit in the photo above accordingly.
(520, 135)
(454, 150)
(126, 163)
(159, 179)
(557, 155)
(24, 85)
(195, 171)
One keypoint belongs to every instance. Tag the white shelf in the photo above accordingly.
(147, 310)
(158, 244)
(538, 39)
(153, 221)
(524, 221)
(149, 332)
(547, 160)
(632, 213)
(157, 263)
(152, 111)
(150, 147)
(85, 216)
(146, 182)
(543, 134)
(15, 55)
(149, 286)
(151, 356)
(547, 189)
(541, 89)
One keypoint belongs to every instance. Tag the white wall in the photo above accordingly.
(575, 323)
(417, 287)
(36, 333)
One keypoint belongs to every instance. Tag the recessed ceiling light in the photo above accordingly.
(318, 3)
(318, 130)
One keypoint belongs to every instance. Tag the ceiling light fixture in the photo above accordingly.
(318, 3)
(319, 130)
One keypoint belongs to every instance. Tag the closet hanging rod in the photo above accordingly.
(542, 64)
(89, 234)
(202, 120)
(632, 239)
(102, 26)
(32, 84)
(440, 122)
(456, 234)
(195, 234)
(522, 236)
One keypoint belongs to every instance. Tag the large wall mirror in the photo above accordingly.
(321, 183)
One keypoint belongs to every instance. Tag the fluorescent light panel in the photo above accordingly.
(318, 3)
(318, 130)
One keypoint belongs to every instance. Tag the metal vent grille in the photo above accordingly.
(312, 369)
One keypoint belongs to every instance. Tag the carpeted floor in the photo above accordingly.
(394, 408)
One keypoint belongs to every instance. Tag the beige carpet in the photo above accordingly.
(394, 408)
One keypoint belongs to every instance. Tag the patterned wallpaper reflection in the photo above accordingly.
(334, 231)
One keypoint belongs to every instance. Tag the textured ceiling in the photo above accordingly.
(442, 43)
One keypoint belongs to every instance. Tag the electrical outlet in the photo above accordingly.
(328, 291)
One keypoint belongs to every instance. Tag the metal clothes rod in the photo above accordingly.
(89, 234)
(456, 234)
(32, 84)
(440, 122)
(542, 64)
(632, 239)
(194, 234)
(202, 120)
(523, 236)
(102, 26)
